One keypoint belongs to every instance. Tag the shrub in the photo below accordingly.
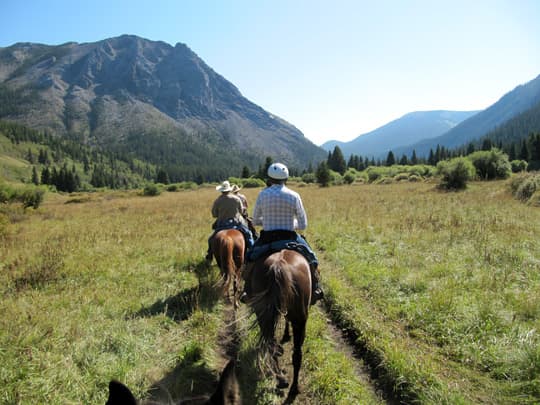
(32, 197)
(172, 187)
(309, 178)
(151, 190)
(518, 166)
(29, 196)
(374, 173)
(335, 178)
(188, 185)
(492, 164)
(455, 173)
(402, 177)
(4, 226)
(535, 199)
(253, 182)
(421, 170)
(6, 193)
(350, 176)
(524, 187)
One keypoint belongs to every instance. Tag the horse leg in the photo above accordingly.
(299, 334)
(287, 334)
(235, 291)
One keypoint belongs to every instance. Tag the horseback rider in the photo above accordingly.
(228, 210)
(236, 191)
(280, 212)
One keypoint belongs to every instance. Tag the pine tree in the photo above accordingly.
(336, 161)
(30, 156)
(403, 161)
(245, 172)
(437, 157)
(45, 175)
(524, 152)
(35, 178)
(534, 151)
(390, 159)
(323, 174)
(487, 144)
(414, 159)
(431, 158)
(264, 169)
(162, 176)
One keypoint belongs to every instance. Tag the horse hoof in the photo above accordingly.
(279, 350)
(282, 382)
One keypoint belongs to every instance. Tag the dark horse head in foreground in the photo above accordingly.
(226, 393)
(228, 246)
(281, 285)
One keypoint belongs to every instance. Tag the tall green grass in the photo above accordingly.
(443, 288)
(441, 291)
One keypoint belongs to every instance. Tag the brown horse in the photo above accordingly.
(226, 393)
(281, 285)
(228, 247)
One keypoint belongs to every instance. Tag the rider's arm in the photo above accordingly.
(257, 212)
(301, 217)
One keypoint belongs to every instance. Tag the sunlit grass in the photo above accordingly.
(441, 289)
(450, 270)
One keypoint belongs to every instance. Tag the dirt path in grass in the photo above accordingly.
(234, 332)
(364, 371)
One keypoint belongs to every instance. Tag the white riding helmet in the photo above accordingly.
(278, 171)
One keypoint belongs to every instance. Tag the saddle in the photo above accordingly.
(232, 224)
(274, 241)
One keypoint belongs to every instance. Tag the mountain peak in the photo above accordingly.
(105, 91)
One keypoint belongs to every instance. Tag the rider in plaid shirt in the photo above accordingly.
(280, 212)
(279, 208)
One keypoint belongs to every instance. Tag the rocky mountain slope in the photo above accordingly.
(143, 97)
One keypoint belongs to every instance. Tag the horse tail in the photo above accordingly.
(272, 303)
(227, 260)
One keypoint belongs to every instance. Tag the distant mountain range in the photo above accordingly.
(512, 104)
(422, 131)
(146, 98)
(403, 131)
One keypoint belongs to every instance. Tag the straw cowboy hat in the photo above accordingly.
(236, 188)
(224, 187)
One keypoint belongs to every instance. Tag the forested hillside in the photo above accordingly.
(27, 155)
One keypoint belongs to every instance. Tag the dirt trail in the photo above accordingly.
(235, 330)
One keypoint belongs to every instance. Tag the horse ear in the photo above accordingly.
(227, 392)
(119, 394)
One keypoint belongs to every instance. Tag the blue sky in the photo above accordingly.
(334, 69)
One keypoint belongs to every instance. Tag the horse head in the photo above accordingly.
(226, 393)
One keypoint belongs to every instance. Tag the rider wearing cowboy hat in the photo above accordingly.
(228, 210)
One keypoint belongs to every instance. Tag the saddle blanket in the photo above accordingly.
(259, 251)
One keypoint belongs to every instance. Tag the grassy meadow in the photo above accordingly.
(439, 291)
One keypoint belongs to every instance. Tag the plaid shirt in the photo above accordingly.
(278, 207)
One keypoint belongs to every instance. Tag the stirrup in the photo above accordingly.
(244, 297)
(316, 295)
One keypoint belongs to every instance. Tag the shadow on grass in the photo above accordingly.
(181, 306)
(249, 376)
(191, 379)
